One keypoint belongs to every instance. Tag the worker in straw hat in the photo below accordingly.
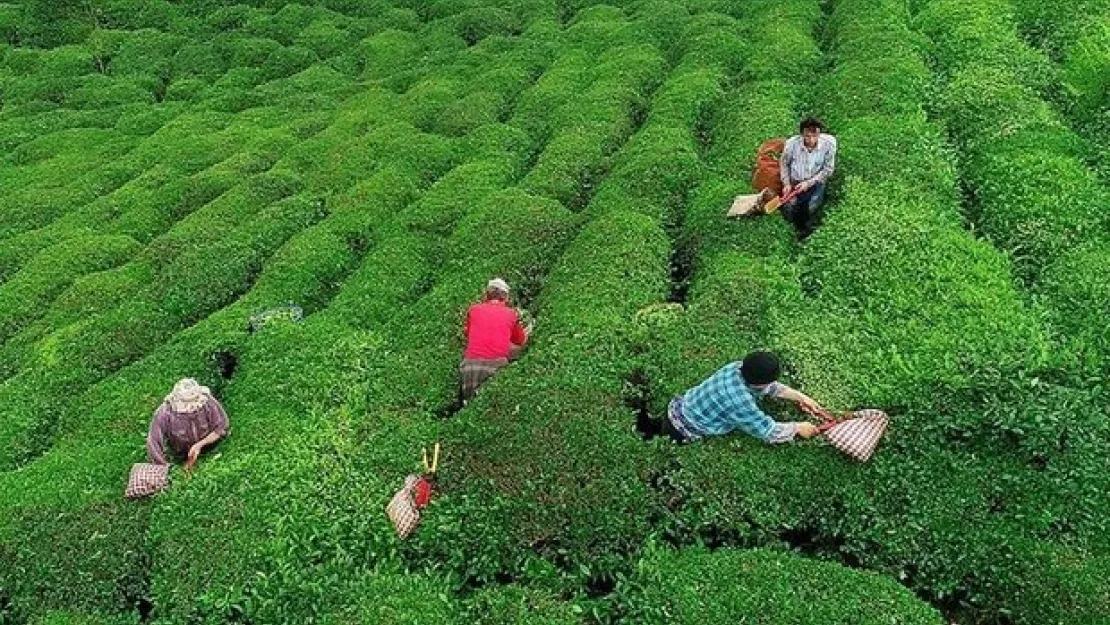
(189, 420)
(494, 336)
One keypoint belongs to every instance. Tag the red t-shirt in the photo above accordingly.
(492, 328)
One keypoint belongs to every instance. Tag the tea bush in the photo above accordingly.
(764, 587)
(1057, 28)
(1086, 86)
(599, 120)
(29, 291)
(1021, 160)
(982, 33)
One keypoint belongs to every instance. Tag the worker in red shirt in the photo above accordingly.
(494, 336)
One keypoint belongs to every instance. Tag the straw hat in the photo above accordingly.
(497, 284)
(188, 396)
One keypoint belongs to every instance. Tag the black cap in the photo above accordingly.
(761, 368)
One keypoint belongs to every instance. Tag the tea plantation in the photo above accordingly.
(170, 168)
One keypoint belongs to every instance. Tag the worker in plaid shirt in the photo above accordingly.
(727, 401)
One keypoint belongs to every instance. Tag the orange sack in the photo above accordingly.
(766, 174)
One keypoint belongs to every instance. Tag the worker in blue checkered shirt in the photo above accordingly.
(726, 402)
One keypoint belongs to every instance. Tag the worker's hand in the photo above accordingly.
(805, 186)
(194, 453)
(808, 406)
(786, 190)
(805, 429)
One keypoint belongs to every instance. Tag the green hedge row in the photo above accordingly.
(1077, 293)
(713, 39)
(21, 125)
(656, 171)
(983, 34)
(37, 205)
(88, 296)
(927, 204)
(567, 76)
(1020, 177)
(596, 123)
(599, 28)
(738, 269)
(1086, 86)
(28, 292)
(143, 209)
(783, 46)
(1059, 27)
(172, 185)
(402, 263)
(82, 618)
(123, 65)
(332, 166)
(502, 605)
(757, 586)
(480, 87)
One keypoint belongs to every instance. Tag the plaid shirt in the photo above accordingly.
(725, 402)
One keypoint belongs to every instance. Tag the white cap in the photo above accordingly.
(498, 284)
(188, 396)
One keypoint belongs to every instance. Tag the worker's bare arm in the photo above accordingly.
(194, 451)
(805, 402)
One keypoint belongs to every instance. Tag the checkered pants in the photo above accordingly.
(474, 373)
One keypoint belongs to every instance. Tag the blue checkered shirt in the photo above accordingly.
(725, 402)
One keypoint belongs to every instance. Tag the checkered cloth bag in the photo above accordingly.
(402, 509)
(147, 479)
(857, 434)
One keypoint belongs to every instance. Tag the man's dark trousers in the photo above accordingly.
(804, 211)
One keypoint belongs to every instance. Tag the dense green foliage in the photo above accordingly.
(1022, 163)
(1075, 34)
(171, 168)
(758, 586)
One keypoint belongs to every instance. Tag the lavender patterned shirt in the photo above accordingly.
(180, 431)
